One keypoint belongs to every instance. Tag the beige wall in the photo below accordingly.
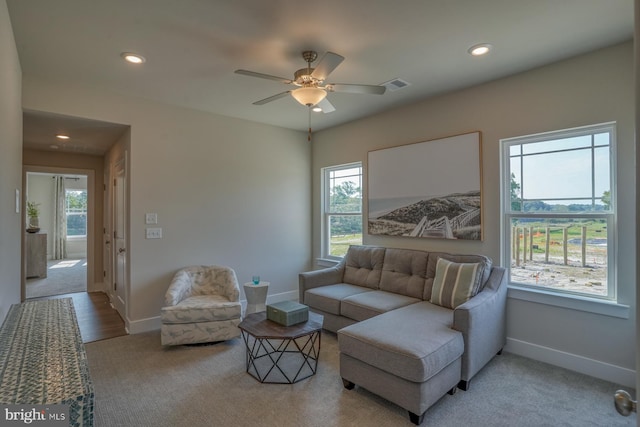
(51, 161)
(589, 89)
(10, 165)
(226, 191)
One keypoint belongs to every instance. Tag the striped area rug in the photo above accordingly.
(43, 359)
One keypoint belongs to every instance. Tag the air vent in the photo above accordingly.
(395, 84)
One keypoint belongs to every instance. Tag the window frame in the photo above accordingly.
(326, 204)
(507, 214)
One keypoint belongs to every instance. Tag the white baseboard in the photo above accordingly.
(143, 325)
(153, 323)
(594, 368)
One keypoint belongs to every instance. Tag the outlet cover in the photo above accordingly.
(154, 233)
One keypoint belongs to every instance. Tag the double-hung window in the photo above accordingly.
(342, 209)
(76, 210)
(558, 211)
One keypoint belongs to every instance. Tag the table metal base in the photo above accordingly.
(282, 360)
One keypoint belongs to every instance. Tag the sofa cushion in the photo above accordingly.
(328, 298)
(433, 261)
(455, 283)
(201, 308)
(368, 304)
(363, 266)
(413, 342)
(404, 272)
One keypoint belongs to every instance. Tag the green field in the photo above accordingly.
(340, 244)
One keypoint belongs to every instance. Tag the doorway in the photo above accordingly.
(58, 255)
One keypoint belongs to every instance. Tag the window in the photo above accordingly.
(558, 211)
(342, 209)
(76, 210)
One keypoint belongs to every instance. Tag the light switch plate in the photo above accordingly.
(151, 218)
(154, 233)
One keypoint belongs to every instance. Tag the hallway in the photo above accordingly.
(97, 319)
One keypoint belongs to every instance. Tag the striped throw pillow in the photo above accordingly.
(455, 283)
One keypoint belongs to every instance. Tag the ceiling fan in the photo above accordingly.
(311, 87)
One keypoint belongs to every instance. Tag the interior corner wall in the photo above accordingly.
(589, 89)
(226, 191)
(10, 166)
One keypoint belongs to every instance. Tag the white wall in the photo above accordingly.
(589, 89)
(226, 191)
(10, 165)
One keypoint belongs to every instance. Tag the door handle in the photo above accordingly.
(624, 404)
(108, 242)
(121, 250)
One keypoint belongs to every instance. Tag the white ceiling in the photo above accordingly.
(192, 47)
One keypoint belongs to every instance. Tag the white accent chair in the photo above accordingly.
(202, 305)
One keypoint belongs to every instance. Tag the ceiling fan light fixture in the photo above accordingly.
(309, 96)
(316, 109)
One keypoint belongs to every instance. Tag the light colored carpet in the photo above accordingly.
(64, 276)
(139, 383)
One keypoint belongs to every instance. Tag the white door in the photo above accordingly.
(107, 237)
(120, 257)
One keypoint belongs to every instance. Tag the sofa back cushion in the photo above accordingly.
(404, 272)
(484, 272)
(363, 266)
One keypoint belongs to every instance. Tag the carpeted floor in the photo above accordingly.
(139, 383)
(64, 276)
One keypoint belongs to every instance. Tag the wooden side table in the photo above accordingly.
(36, 255)
(256, 297)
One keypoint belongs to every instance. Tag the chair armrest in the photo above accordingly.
(179, 289)
(482, 321)
(313, 279)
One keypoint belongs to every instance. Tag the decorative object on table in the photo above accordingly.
(202, 305)
(256, 296)
(428, 189)
(255, 280)
(288, 313)
(33, 212)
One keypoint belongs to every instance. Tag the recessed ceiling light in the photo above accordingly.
(317, 109)
(480, 49)
(61, 136)
(133, 58)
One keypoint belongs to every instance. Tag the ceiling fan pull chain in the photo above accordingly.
(309, 137)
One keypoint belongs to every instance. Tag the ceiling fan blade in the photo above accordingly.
(272, 98)
(326, 106)
(327, 64)
(349, 88)
(264, 76)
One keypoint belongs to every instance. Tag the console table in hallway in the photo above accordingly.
(43, 360)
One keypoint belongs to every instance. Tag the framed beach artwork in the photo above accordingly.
(430, 189)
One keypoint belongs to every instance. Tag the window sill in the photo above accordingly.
(572, 302)
(325, 262)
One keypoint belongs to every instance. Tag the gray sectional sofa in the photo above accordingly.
(412, 325)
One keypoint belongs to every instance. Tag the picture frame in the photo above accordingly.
(429, 189)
